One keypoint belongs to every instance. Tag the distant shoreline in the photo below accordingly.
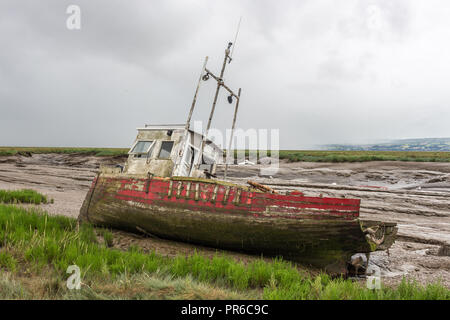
(331, 156)
(423, 144)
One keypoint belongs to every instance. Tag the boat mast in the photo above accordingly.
(220, 83)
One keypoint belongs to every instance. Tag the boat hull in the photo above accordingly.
(321, 232)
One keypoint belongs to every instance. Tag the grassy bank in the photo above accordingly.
(290, 155)
(42, 247)
(99, 152)
(363, 156)
(355, 156)
(22, 196)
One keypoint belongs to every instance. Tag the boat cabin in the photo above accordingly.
(175, 150)
(171, 150)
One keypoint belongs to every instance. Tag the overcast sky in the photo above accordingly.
(321, 71)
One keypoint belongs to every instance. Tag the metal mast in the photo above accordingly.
(220, 83)
(205, 75)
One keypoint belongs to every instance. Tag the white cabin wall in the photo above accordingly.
(168, 167)
(158, 167)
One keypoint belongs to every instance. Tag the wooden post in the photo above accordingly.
(188, 122)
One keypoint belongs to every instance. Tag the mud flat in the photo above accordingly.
(415, 195)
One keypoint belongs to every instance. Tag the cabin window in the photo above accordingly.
(166, 149)
(142, 147)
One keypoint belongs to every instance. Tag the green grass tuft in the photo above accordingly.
(7, 261)
(22, 196)
(107, 237)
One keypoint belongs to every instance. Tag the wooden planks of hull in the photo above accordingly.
(323, 232)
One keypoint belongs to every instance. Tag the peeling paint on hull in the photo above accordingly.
(322, 232)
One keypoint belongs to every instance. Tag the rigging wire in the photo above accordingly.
(235, 38)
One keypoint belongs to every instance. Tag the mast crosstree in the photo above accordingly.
(205, 75)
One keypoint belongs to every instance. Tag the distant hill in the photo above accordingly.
(425, 144)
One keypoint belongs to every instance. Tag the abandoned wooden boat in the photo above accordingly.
(167, 189)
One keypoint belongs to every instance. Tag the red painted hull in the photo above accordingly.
(295, 206)
(314, 230)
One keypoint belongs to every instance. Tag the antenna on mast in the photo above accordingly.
(235, 39)
(204, 75)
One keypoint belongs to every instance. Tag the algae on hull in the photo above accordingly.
(325, 243)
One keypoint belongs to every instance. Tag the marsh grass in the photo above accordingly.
(107, 237)
(290, 155)
(22, 196)
(354, 156)
(7, 152)
(39, 242)
(364, 156)
(100, 152)
(11, 289)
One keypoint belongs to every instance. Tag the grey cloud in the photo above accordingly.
(314, 69)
